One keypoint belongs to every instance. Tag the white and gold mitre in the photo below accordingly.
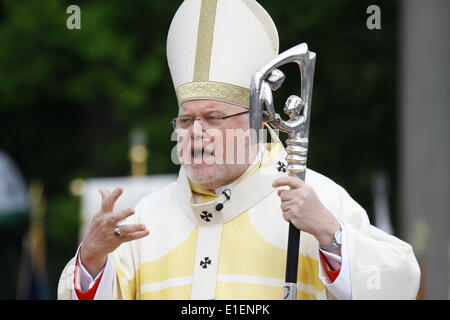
(215, 46)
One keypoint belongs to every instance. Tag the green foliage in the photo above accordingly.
(69, 98)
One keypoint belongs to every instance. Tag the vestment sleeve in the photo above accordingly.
(334, 271)
(381, 266)
(117, 281)
(70, 285)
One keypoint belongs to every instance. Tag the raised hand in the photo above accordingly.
(104, 234)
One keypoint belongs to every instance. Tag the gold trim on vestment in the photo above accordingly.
(214, 91)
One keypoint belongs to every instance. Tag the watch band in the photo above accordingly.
(335, 244)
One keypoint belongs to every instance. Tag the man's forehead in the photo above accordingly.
(208, 106)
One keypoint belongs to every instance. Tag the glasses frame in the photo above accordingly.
(174, 120)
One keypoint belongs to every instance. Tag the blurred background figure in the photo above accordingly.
(14, 217)
(32, 279)
(87, 108)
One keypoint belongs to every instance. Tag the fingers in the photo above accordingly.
(288, 214)
(129, 232)
(292, 182)
(287, 205)
(109, 198)
(104, 193)
(134, 235)
(286, 195)
(116, 217)
(131, 228)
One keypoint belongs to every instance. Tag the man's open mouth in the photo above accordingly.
(203, 153)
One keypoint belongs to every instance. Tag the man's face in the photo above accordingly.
(214, 151)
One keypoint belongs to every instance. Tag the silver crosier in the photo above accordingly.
(298, 109)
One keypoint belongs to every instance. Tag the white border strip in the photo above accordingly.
(178, 282)
(173, 282)
(275, 282)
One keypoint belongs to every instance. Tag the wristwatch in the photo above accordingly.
(336, 243)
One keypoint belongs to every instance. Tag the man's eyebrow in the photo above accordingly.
(214, 111)
(207, 112)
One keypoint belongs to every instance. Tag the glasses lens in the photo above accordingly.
(213, 121)
(183, 122)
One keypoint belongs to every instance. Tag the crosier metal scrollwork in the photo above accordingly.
(298, 109)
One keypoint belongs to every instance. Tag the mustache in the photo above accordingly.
(233, 147)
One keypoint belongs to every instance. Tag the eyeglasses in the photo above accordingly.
(185, 122)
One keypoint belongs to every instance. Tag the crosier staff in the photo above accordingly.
(263, 82)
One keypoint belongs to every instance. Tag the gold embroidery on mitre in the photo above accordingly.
(205, 40)
(215, 91)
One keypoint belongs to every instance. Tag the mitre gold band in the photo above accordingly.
(215, 91)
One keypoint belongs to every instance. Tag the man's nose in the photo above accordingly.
(197, 128)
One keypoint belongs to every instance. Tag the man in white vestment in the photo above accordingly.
(220, 231)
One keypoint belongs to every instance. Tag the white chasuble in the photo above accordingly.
(195, 251)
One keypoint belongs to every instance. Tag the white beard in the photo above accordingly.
(219, 176)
